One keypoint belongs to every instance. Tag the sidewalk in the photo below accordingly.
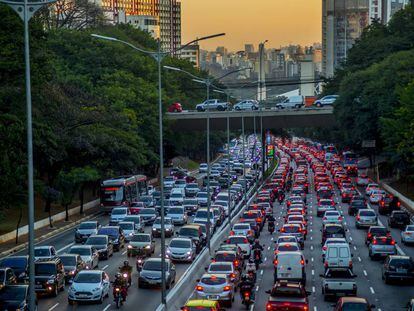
(10, 247)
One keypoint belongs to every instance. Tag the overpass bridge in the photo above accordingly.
(271, 118)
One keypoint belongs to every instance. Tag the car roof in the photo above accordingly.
(180, 239)
(354, 299)
(201, 303)
(91, 271)
(43, 247)
(290, 253)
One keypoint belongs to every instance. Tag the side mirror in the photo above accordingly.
(268, 291)
(205, 268)
(198, 280)
(352, 255)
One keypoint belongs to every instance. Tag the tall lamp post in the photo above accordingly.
(159, 56)
(261, 85)
(26, 9)
(208, 82)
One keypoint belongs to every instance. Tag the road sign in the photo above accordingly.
(270, 151)
(368, 143)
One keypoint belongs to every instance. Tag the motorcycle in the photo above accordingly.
(118, 297)
(271, 227)
(246, 294)
(281, 198)
(257, 258)
(252, 276)
(139, 263)
(126, 275)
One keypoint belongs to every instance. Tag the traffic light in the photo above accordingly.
(270, 151)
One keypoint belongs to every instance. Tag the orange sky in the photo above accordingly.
(251, 21)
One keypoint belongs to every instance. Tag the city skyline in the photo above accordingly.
(280, 22)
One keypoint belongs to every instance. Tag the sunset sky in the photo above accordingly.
(251, 21)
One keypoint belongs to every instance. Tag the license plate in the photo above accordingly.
(82, 296)
(152, 282)
(384, 254)
(213, 297)
(38, 286)
(284, 275)
(402, 270)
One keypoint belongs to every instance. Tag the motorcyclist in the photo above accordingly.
(246, 285)
(280, 195)
(121, 283)
(271, 222)
(258, 247)
(126, 268)
(251, 268)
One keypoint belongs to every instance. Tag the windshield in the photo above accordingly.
(154, 265)
(68, 260)
(42, 252)
(126, 226)
(87, 225)
(220, 268)
(147, 211)
(238, 240)
(45, 269)
(354, 306)
(190, 202)
(192, 186)
(176, 195)
(141, 238)
(14, 263)
(288, 247)
(176, 210)
(202, 195)
(410, 228)
(119, 211)
(83, 251)
(189, 232)
(95, 240)
(201, 214)
(367, 213)
(109, 231)
(291, 229)
(213, 281)
(287, 292)
(167, 221)
(134, 219)
(180, 244)
(87, 278)
(112, 194)
(334, 229)
(17, 293)
(241, 227)
(339, 274)
(401, 264)
(225, 257)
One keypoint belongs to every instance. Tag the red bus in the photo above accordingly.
(122, 191)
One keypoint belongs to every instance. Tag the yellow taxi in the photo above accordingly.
(202, 305)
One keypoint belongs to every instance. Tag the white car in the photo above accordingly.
(326, 101)
(242, 242)
(88, 253)
(181, 249)
(331, 241)
(118, 214)
(129, 229)
(44, 252)
(407, 236)
(376, 196)
(332, 217)
(246, 105)
(177, 215)
(203, 168)
(91, 286)
(362, 180)
(370, 187)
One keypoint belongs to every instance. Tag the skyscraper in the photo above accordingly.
(383, 10)
(170, 24)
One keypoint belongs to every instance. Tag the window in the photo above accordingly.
(343, 252)
(333, 252)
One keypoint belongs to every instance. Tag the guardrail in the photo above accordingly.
(178, 296)
(254, 111)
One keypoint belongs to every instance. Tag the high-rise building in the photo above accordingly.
(249, 48)
(170, 24)
(383, 10)
(192, 54)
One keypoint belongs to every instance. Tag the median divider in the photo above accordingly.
(178, 296)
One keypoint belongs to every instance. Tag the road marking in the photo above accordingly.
(315, 308)
(261, 272)
(252, 307)
(53, 307)
(311, 247)
(359, 259)
(105, 267)
(277, 224)
(365, 273)
(265, 258)
(271, 239)
(257, 288)
(124, 253)
(310, 230)
(313, 289)
(379, 309)
(312, 259)
(65, 247)
(350, 238)
(268, 248)
(372, 290)
(313, 272)
(400, 251)
(107, 307)
(355, 247)
(311, 238)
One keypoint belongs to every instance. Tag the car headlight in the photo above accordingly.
(72, 289)
(51, 281)
(148, 246)
(188, 253)
(72, 272)
(96, 289)
(131, 234)
(154, 229)
(168, 251)
(168, 229)
(129, 246)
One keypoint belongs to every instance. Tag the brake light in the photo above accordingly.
(282, 230)
(326, 264)
(324, 248)
(232, 275)
(269, 306)
(398, 203)
(340, 218)
(236, 263)
(358, 218)
(350, 263)
(226, 288)
(302, 262)
(199, 288)
(250, 232)
(369, 235)
(275, 262)
(392, 242)
(374, 241)
(246, 294)
(324, 218)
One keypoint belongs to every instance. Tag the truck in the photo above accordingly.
(291, 102)
(212, 104)
(338, 282)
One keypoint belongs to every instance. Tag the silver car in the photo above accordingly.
(118, 214)
(150, 274)
(382, 246)
(366, 218)
(216, 287)
(88, 253)
(141, 243)
(178, 215)
(181, 249)
(407, 236)
(129, 229)
(168, 224)
(86, 229)
(226, 268)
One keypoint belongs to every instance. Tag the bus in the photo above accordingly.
(122, 191)
(350, 162)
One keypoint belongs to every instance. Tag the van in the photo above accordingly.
(338, 256)
(291, 102)
(290, 266)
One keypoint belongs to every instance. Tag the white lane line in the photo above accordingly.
(268, 248)
(310, 230)
(105, 267)
(400, 251)
(257, 288)
(265, 259)
(312, 259)
(124, 253)
(313, 272)
(355, 247)
(311, 247)
(311, 238)
(359, 259)
(107, 307)
(271, 239)
(65, 247)
(261, 272)
(372, 290)
(251, 307)
(315, 308)
(53, 307)
(379, 309)
(350, 238)
(365, 273)
(313, 289)
(277, 224)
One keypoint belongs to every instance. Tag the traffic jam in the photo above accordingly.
(318, 235)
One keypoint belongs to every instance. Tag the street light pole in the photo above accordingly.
(25, 10)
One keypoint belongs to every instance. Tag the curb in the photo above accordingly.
(46, 236)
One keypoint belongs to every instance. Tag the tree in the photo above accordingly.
(50, 195)
(82, 176)
(67, 185)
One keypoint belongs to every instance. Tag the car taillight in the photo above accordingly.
(358, 218)
(374, 242)
(392, 242)
(302, 262)
(369, 235)
(275, 262)
(199, 288)
(340, 218)
(269, 306)
(250, 232)
(282, 230)
(398, 203)
(232, 232)
(226, 288)
(232, 275)
(326, 264)
(236, 263)
(324, 218)
(324, 248)
(246, 294)
(350, 263)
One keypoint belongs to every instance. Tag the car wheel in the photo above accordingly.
(319, 105)
(386, 280)
(220, 108)
(297, 106)
(175, 110)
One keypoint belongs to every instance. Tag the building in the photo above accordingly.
(249, 48)
(192, 54)
(383, 10)
(148, 23)
(170, 24)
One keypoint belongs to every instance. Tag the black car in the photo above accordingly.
(332, 231)
(20, 266)
(116, 236)
(356, 205)
(72, 264)
(399, 219)
(374, 231)
(399, 268)
(14, 297)
(49, 276)
(103, 245)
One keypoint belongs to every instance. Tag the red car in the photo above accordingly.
(176, 107)
(288, 296)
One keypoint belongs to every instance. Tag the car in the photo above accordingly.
(399, 268)
(287, 295)
(88, 253)
(376, 195)
(7, 277)
(203, 215)
(89, 286)
(407, 235)
(72, 263)
(150, 275)
(338, 282)
(399, 219)
(327, 100)
(216, 287)
(116, 236)
(366, 218)
(355, 205)
(353, 303)
(148, 200)
(291, 102)
(324, 205)
(118, 214)
(20, 266)
(181, 249)
(175, 107)
(203, 168)
(178, 215)
(168, 225)
(129, 229)
(44, 252)
(332, 217)
(202, 304)
(375, 231)
(141, 244)
(191, 190)
(148, 216)
(338, 255)
(293, 230)
(136, 219)
(229, 256)
(362, 180)
(226, 268)
(242, 242)
(49, 276)
(290, 266)
(387, 204)
(287, 247)
(15, 297)
(243, 229)
(194, 232)
(382, 246)
(190, 205)
(370, 187)
(331, 241)
(85, 229)
(246, 105)
(102, 244)
(177, 196)
(212, 104)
